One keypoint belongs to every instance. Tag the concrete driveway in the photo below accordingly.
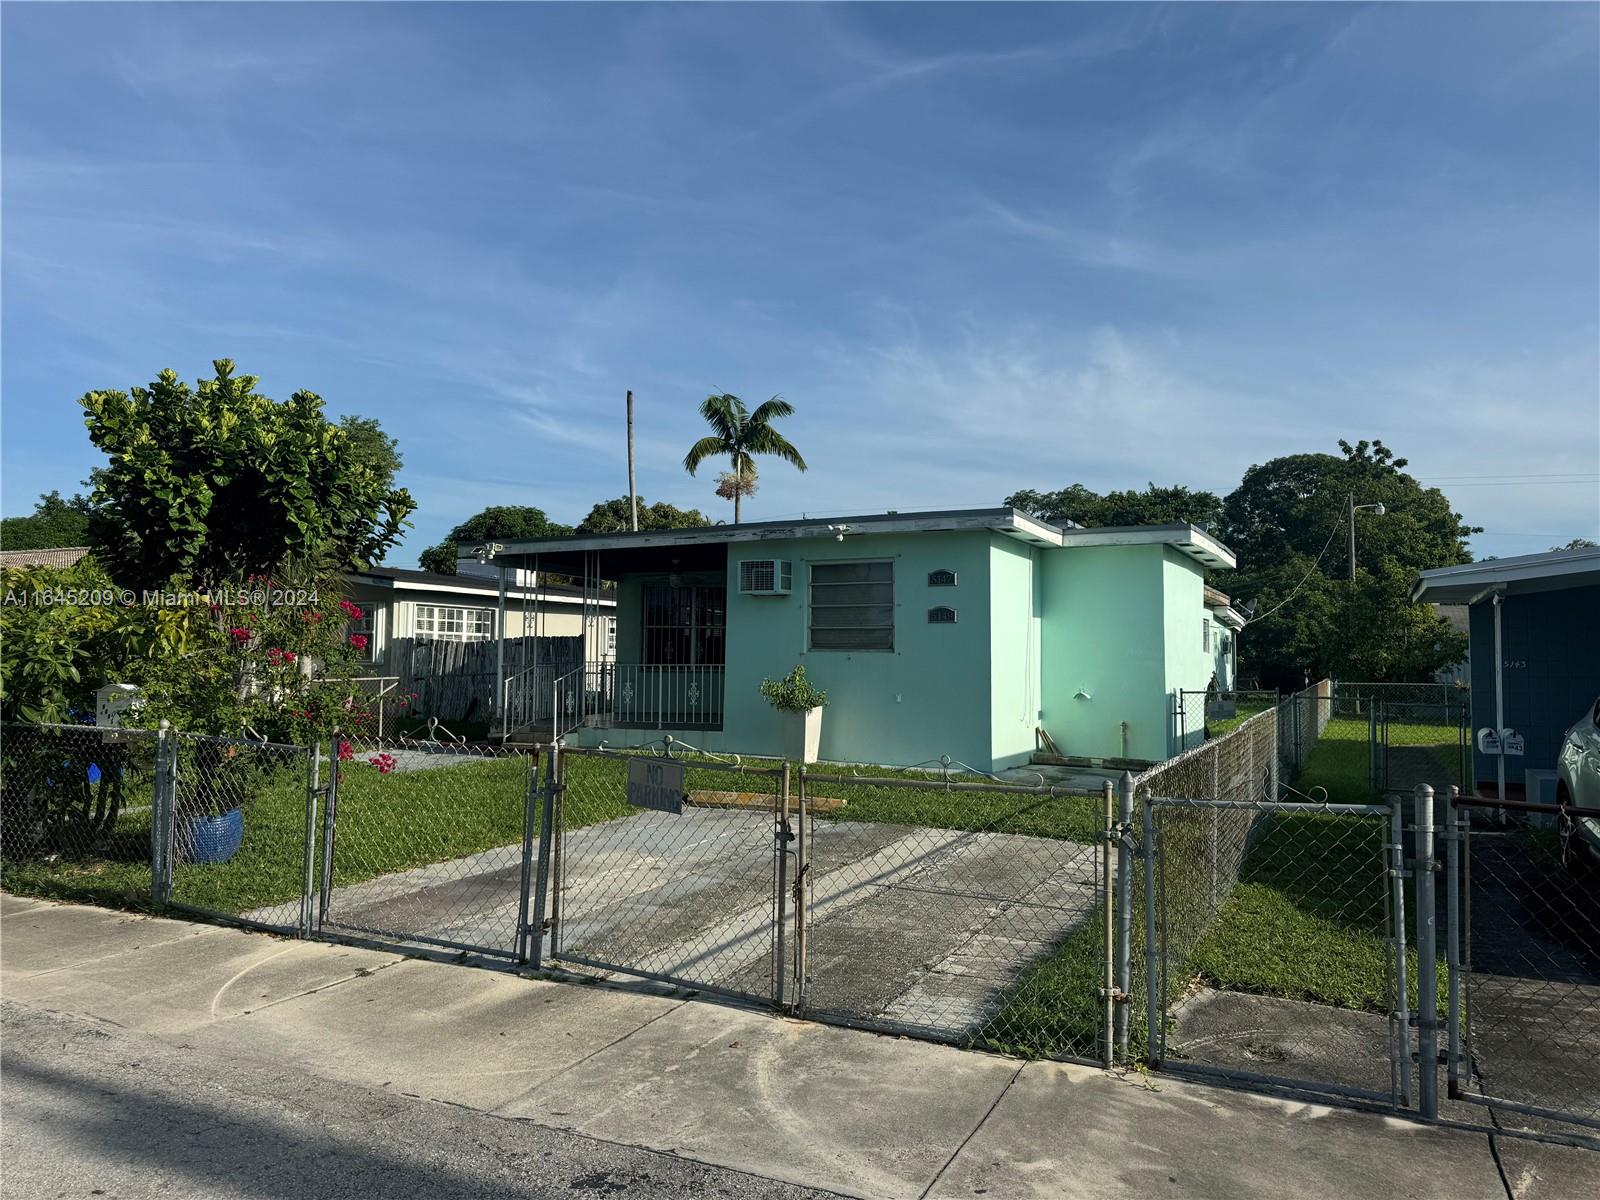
(922, 928)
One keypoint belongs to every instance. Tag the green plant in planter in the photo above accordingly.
(794, 693)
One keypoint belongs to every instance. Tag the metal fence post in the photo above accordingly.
(1155, 989)
(781, 836)
(1401, 1049)
(525, 879)
(330, 820)
(1427, 951)
(162, 800)
(308, 887)
(1108, 982)
(542, 882)
(1452, 943)
(1124, 906)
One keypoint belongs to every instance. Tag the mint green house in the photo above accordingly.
(962, 633)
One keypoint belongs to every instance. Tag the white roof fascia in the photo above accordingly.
(1003, 521)
(1185, 539)
(1459, 584)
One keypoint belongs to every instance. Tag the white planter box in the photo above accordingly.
(802, 735)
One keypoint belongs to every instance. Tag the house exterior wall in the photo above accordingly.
(929, 696)
(1188, 653)
(1104, 660)
(1551, 649)
(1016, 599)
(1221, 663)
(1034, 627)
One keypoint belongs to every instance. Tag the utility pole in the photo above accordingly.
(1351, 502)
(633, 494)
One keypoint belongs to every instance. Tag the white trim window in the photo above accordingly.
(367, 626)
(443, 623)
(852, 605)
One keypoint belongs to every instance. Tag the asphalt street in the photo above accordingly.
(91, 1109)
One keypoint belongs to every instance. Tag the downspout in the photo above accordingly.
(1497, 593)
(1499, 701)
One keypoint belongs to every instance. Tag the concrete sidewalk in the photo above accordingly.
(852, 1113)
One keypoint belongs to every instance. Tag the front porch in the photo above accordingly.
(611, 695)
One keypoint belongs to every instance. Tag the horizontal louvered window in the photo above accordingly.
(852, 606)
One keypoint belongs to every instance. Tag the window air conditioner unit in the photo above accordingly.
(766, 577)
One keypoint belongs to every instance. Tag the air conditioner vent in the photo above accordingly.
(766, 577)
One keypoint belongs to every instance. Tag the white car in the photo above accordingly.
(1578, 774)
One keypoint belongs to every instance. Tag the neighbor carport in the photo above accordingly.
(1535, 651)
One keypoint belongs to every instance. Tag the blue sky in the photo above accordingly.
(979, 248)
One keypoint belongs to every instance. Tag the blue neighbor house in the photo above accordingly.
(1535, 654)
(960, 633)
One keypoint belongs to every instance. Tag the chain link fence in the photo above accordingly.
(428, 842)
(690, 892)
(75, 811)
(1420, 743)
(1207, 916)
(956, 908)
(1521, 911)
(1200, 716)
(236, 830)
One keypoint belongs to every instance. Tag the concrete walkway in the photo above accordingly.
(826, 1108)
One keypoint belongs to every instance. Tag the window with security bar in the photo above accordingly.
(445, 624)
(685, 625)
(852, 606)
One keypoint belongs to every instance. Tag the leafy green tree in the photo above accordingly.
(54, 522)
(740, 435)
(614, 516)
(1288, 522)
(67, 631)
(498, 523)
(371, 446)
(216, 482)
(1152, 506)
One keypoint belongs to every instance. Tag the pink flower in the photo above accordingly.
(239, 635)
(346, 751)
(349, 610)
(384, 763)
(358, 640)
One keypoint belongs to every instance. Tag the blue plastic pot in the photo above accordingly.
(216, 839)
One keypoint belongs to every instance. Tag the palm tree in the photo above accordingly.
(741, 435)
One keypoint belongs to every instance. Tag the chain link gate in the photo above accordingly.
(958, 909)
(428, 843)
(1275, 944)
(686, 884)
(1522, 939)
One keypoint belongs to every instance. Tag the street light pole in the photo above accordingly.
(1353, 508)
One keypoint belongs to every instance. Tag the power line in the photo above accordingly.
(1303, 578)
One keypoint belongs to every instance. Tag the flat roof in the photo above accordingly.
(1008, 522)
(1475, 581)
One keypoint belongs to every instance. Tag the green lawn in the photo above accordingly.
(1340, 761)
